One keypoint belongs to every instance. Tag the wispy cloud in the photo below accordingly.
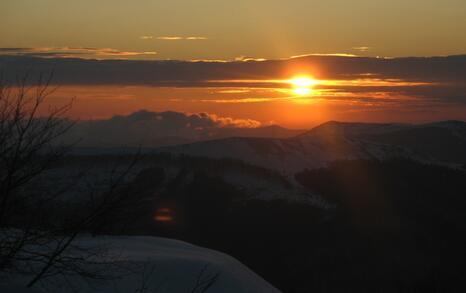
(323, 55)
(178, 38)
(362, 48)
(237, 101)
(168, 38)
(146, 37)
(246, 59)
(247, 100)
(230, 122)
(233, 91)
(75, 52)
(195, 38)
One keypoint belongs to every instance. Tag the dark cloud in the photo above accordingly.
(445, 77)
(152, 129)
(185, 73)
(73, 52)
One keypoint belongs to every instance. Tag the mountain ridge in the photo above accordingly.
(334, 140)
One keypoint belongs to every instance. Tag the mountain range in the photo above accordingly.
(440, 142)
(272, 146)
(155, 129)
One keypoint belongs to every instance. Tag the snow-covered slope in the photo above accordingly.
(159, 265)
(291, 155)
(338, 141)
(443, 142)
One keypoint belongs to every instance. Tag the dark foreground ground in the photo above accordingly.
(398, 225)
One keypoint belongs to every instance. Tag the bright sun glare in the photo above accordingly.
(300, 82)
(302, 91)
(302, 85)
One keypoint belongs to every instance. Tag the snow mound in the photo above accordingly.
(159, 265)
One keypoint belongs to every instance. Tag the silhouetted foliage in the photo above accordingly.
(38, 223)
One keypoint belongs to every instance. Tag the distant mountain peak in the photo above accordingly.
(352, 128)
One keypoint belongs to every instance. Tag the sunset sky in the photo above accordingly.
(296, 63)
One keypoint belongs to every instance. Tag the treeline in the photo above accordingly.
(214, 166)
(399, 225)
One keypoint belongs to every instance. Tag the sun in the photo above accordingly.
(302, 85)
(302, 91)
(301, 82)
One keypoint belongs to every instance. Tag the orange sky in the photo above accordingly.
(234, 58)
(293, 92)
(212, 29)
(278, 106)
